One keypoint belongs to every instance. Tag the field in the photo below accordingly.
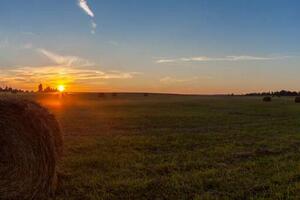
(177, 147)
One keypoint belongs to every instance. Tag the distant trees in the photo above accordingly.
(47, 89)
(40, 88)
(11, 90)
(276, 93)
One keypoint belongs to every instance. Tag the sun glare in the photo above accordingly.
(61, 88)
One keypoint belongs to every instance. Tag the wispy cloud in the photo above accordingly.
(48, 72)
(165, 61)
(66, 69)
(172, 80)
(52, 75)
(85, 7)
(227, 58)
(65, 60)
(94, 27)
(83, 4)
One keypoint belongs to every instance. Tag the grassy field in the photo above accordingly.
(178, 147)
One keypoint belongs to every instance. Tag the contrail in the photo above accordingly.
(85, 7)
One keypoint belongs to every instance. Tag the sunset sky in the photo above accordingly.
(184, 46)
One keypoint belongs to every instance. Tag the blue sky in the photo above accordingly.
(195, 46)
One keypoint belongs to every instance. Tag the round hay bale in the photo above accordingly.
(101, 95)
(297, 99)
(30, 147)
(114, 94)
(267, 99)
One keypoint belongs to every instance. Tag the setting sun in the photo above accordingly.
(61, 88)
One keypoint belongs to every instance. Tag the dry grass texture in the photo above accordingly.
(30, 147)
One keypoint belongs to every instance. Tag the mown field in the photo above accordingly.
(177, 147)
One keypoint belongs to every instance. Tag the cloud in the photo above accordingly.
(227, 58)
(94, 27)
(165, 61)
(171, 80)
(83, 4)
(71, 70)
(65, 60)
(52, 75)
(85, 7)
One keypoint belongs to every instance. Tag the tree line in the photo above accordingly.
(47, 89)
(40, 89)
(12, 90)
(275, 93)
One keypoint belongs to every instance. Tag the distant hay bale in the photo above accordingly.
(297, 99)
(101, 95)
(30, 147)
(267, 99)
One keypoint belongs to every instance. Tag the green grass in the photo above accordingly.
(178, 147)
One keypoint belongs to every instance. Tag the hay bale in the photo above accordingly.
(267, 99)
(101, 95)
(297, 99)
(30, 147)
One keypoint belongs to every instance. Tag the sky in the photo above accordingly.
(194, 46)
